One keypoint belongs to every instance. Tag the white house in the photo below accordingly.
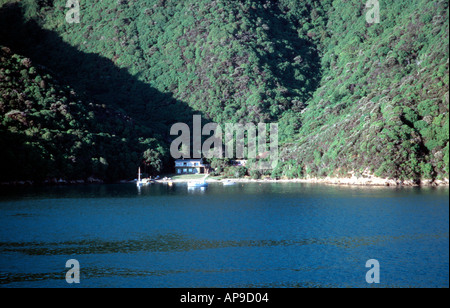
(191, 166)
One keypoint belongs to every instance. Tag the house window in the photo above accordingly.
(184, 170)
(179, 171)
(190, 170)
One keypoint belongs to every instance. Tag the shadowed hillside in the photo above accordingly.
(79, 116)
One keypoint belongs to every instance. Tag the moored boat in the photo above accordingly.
(200, 183)
(194, 184)
(142, 182)
(228, 183)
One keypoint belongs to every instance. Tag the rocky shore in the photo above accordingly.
(352, 181)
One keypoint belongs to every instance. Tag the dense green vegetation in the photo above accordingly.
(382, 106)
(348, 96)
(47, 131)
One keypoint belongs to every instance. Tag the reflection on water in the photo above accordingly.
(246, 235)
(197, 190)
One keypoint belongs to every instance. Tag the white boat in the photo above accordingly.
(196, 184)
(228, 183)
(142, 182)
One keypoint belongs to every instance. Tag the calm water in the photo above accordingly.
(250, 235)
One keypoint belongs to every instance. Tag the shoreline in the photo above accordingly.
(353, 181)
(375, 182)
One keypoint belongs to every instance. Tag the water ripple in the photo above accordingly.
(179, 243)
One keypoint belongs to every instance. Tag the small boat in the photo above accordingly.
(228, 183)
(142, 182)
(196, 184)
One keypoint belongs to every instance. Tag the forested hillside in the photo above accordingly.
(382, 105)
(349, 97)
(49, 132)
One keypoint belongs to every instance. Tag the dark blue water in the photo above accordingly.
(250, 235)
